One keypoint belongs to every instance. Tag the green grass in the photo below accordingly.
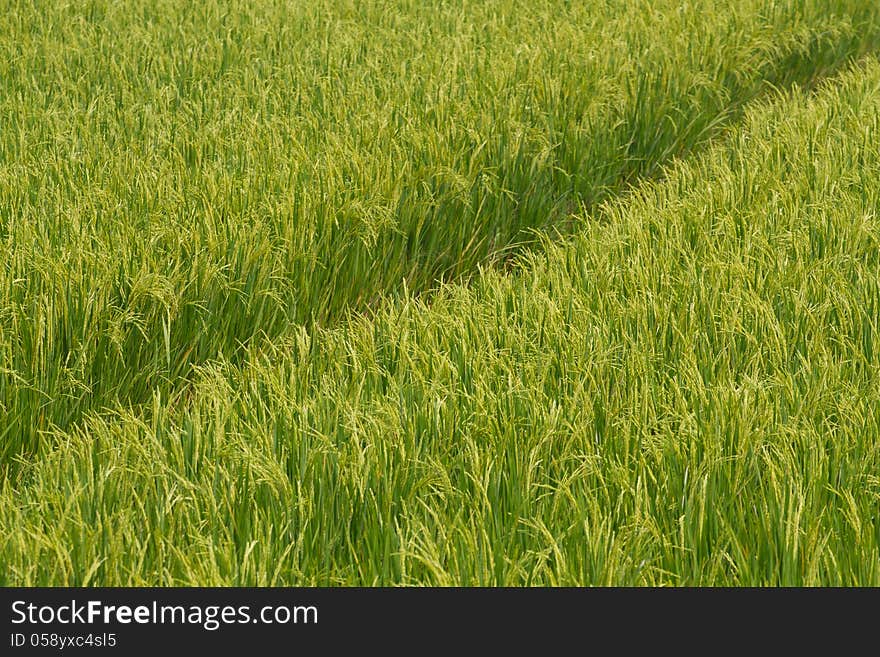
(685, 391)
(179, 183)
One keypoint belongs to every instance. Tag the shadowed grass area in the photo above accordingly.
(685, 392)
(177, 182)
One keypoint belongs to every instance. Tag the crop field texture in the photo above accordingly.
(440, 293)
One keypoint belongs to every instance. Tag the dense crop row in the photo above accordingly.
(178, 180)
(687, 391)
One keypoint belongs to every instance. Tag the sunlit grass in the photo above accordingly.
(685, 391)
(178, 180)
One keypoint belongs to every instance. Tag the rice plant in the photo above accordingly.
(180, 182)
(684, 391)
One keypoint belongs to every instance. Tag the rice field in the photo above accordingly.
(440, 293)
